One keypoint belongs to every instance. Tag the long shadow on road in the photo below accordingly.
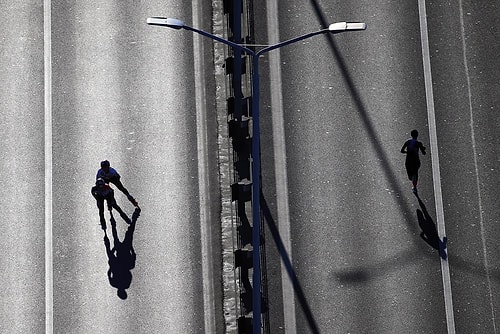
(289, 267)
(429, 234)
(424, 219)
(358, 274)
(363, 113)
(121, 258)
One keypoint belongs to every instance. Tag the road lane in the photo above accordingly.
(355, 235)
(466, 87)
(436, 170)
(125, 92)
(22, 199)
(279, 151)
(381, 74)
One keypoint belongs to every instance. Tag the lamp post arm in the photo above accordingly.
(220, 39)
(290, 41)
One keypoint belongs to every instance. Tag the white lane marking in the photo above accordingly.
(436, 176)
(474, 152)
(203, 177)
(49, 279)
(280, 166)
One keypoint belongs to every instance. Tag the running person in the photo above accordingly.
(109, 174)
(411, 147)
(103, 192)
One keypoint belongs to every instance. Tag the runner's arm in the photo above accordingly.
(403, 149)
(422, 148)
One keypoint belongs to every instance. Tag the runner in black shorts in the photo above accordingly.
(411, 147)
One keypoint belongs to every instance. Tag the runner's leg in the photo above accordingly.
(120, 186)
(100, 206)
(122, 214)
(116, 181)
(415, 176)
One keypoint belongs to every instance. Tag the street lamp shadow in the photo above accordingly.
(372, 134)
(299, 292)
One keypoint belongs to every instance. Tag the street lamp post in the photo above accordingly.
(332, 28)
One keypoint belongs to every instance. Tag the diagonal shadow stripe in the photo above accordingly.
(288, 265)
(367, 122)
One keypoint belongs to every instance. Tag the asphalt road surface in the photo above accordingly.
(88, 81)
(338, 112)
(83, 82)
(22, 168)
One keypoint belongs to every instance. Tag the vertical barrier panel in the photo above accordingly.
(238, 16)
(238, 96)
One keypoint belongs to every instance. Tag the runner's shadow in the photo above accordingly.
(429, 231)
(121, 258)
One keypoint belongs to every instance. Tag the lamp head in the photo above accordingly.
(165, 22)
(345, 26)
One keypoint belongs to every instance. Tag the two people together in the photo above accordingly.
(121, 257)
(103, 192)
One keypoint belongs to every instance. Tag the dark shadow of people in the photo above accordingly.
(121, 258)
(429, 231)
